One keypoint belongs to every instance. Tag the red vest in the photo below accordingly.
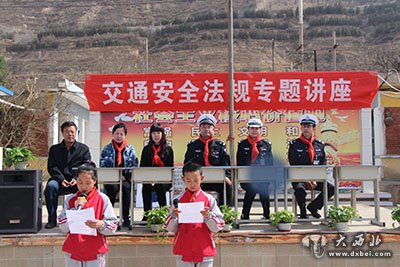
(193, 241)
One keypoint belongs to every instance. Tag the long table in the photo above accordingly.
(254, 174)
(360, 173)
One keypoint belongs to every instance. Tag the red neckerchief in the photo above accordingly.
(191, 194)
(156, 158)
(254, 150)
(311, 150)
(118, 149)
(206, 149)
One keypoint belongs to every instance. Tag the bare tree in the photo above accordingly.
(25, 116)
(387, 58)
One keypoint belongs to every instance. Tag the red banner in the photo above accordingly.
(253, 90)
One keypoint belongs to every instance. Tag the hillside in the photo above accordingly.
(55, 39)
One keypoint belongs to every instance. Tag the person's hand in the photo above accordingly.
(175, 213)
(96, 224)
(80, 201)
(205, 212)
(65, 183)
(228, 181)
(72, 182)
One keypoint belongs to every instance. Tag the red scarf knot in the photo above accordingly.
(118, 151)
(311, 150)
(156, 158)
(254, 149)
(206, 149)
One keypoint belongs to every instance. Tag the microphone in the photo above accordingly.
(82, 197)
(176, 201)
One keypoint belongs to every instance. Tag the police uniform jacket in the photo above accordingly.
(298, 153)
(218, 155)
(264, 157)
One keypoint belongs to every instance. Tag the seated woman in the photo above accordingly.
(119, 153)
(156, 154)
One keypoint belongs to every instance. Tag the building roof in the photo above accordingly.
(5, 92)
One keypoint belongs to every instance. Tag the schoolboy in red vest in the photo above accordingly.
(194, 244)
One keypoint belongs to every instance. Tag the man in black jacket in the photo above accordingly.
(208, 151)
(63, 158)
(307, 150)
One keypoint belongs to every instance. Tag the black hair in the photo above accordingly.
(120, 125)
(68, 124)
(90, 168)
(191, 167)
(163, 142)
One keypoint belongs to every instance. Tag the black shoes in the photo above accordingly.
(126, 223)
(244, 217)
(303, 212)
(314, 212)
(50, 225)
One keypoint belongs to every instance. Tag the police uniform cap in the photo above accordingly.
(308, 119)
(207, 119)
(254, 122)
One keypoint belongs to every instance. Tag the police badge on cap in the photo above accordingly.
(254, 122)
(308, 119)
(207, 119)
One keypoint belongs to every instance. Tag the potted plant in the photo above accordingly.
(282, 219)
(18, 157)
(341, 216)
(230, 215)
(396, 215)
(156, 218)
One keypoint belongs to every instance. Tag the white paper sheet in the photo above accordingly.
(76, 221)
(190, 212)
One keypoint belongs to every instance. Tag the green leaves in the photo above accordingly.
(341, 214)
(156, 215)
(282, 216)
(17, 155)
(396, 215)
(230, 214)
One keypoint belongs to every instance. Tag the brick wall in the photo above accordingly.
(392, 130)
(233, 251)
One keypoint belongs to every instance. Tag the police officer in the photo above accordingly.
(254, 151)
(209, 151)
(307, 150)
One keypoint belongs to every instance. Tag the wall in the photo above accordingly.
(234, 250)
(392, 122)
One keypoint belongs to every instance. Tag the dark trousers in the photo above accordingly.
(160, 190)
(219, 188)
(112, 191)
(251, 191)
(318, 202)
(51, 192)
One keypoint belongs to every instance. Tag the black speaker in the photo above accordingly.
(20, 201)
